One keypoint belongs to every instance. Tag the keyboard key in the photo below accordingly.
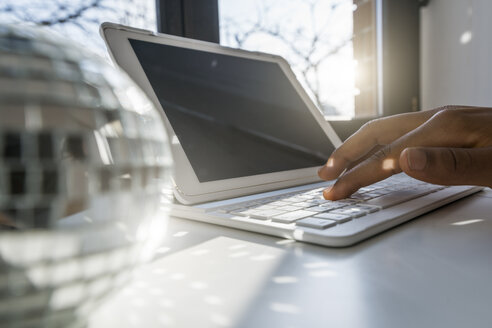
(241, 211)
(366, 189)
(263, 207)
(317, 201)
(340, 218)
(278, 203)
(306, 196)
(368, 208)
(304, 204)
(397, 197)
(290, 217)
(316, 223)
(375, 193)
(245, 211)
(358, 196)
(288, 208)
(295, 199)
(317, 209)
(265, 214)
(348, 201)
(316, 191)
(332, 205)
(432, 188)
(350, 211)
(234, 208)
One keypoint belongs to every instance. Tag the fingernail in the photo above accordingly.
(327, 166)
(321, 169)
(417, 159)
(327, 191)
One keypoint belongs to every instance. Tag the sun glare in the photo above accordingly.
(389, 164)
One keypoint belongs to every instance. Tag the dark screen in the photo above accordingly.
(234, 117)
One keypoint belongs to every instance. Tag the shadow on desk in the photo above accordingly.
(432, 271)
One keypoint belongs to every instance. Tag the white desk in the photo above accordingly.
(426, 273)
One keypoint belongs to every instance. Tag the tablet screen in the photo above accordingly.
(233, 116)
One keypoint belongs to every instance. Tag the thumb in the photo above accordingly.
(448, 166)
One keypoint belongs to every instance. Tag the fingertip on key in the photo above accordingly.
(328, 193)
(337, 191)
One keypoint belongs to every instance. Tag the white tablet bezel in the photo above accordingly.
(188, 189)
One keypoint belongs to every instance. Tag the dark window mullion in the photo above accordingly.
(170, 17)
(195, 19)
(400, 56)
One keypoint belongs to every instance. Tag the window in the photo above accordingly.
(364, 62)
(79, 20)
(314, 36)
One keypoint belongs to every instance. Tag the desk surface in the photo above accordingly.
(432, 271)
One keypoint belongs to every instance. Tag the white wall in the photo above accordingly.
(456, 53)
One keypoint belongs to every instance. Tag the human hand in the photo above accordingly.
(451, 145)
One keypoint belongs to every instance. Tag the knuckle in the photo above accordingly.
(447, 108)
(455, 123)
(445, 115)
(369, 126)
(373, 128)
(374, 124)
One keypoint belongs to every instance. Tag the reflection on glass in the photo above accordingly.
(314, 36)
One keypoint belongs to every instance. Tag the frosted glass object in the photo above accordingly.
(84, 172)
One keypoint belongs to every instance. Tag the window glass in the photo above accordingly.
(314, 36)
(79, 20)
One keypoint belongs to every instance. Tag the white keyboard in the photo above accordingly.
(310, 209)
(306, 216)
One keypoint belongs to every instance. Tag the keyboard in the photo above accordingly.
(303, 214)
(310, 209)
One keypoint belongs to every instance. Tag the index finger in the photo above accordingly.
(377, 132)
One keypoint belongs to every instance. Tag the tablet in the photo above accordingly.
(239, 122)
